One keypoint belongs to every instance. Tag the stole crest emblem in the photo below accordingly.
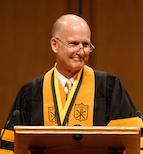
(81, 112)
(52, 115)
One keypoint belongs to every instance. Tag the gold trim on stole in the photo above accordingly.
(4, 151)
(8, 135)
(82, 110)
(63, 111)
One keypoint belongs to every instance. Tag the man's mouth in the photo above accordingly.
(78, 58)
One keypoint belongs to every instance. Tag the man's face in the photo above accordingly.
(68, 60)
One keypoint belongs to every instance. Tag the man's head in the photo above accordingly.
(70, 31)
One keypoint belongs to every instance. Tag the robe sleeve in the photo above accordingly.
(121, 105)
(111, 100)
(27, 101)
(20, 104)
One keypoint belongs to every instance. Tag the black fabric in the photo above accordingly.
(111, 102)
(7, 145)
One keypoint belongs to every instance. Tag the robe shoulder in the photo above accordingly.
(29, 102)
(33, 88)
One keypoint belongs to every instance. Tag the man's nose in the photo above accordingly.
(81, 51)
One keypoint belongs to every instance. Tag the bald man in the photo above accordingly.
(94, 97)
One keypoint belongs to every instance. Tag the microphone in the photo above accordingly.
(139, 114)
(14, 114)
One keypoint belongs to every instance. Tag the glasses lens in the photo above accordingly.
(86, 49)
(77, 48)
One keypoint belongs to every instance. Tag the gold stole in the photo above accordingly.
(78, 109)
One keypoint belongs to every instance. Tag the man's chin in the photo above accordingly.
(78, 67)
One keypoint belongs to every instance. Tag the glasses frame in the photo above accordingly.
(92, 46)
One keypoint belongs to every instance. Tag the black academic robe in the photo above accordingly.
(111, 102)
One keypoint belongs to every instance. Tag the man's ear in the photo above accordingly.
(54, 44)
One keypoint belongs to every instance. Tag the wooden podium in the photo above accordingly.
(76, 140)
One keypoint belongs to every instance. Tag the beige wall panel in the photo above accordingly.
(25, 31)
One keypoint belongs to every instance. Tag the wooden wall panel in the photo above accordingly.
(25, 31)
(25, 53)
(117, 33)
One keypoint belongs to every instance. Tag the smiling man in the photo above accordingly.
(71, 44)
(71, 93)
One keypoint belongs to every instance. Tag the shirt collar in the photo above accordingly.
(62, 79)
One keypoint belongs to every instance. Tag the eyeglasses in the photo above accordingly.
(75, 47)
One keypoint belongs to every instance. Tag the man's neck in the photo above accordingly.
(68, 74)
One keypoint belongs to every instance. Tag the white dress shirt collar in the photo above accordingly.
(62, 79)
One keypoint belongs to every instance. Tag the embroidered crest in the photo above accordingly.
(81, 112)
(52, 115)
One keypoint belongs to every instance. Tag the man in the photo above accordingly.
(93, 98)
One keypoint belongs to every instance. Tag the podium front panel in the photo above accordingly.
(89, 139)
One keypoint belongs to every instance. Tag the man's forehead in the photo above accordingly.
(76, 31)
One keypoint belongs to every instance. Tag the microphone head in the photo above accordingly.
(139, 114)
(15, 113)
